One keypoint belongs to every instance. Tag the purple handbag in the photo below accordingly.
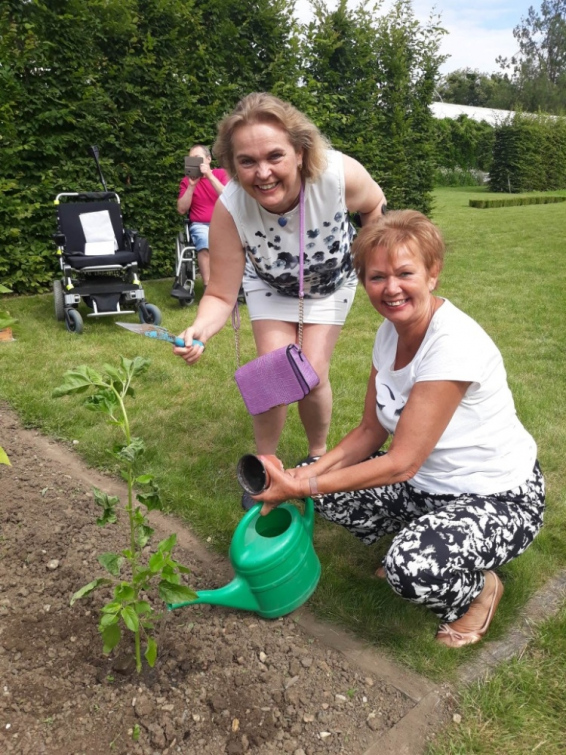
(285, 375)
(281, 377)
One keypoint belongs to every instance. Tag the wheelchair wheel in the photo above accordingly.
(73, 321)
(59, 301)
(149, 313)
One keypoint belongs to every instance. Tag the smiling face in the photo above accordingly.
(267, 165)
(399, 286)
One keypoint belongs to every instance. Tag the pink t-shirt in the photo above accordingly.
(204, 196)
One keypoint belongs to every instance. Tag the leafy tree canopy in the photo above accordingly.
(539, 67)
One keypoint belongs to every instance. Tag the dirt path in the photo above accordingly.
(225, 681)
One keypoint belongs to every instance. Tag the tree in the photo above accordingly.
(539, 67)
(371, 80)
(466, 86)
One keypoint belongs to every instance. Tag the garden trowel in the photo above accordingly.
(155, 331)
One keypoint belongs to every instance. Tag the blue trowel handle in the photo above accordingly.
(179, 342)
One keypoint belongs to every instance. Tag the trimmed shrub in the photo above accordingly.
(529, 154)
(484, 204)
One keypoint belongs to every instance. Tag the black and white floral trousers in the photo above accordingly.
(444, 542)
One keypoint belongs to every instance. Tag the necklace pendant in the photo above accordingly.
(282, 222)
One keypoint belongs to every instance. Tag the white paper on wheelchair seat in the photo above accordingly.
(98, 232)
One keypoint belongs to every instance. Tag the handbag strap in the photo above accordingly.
(236, 311)
(236, 327)
(301, 263)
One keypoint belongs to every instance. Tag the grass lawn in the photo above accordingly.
(504, 267)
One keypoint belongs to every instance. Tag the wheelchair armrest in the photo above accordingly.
(130, 236)
(59, 239)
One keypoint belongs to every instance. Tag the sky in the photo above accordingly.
(478, 32)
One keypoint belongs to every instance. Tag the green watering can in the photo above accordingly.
(274, 560)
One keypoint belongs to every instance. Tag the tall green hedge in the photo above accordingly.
(529, 154)
(144, 79)
(464, 143)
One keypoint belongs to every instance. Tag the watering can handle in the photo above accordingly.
(308, 516)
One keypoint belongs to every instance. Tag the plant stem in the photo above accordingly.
(130, 510)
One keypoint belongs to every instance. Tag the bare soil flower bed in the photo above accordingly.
(225, 681)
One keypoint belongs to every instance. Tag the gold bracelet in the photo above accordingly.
(313, 487)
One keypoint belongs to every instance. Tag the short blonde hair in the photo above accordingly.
(262, 107)
(396, 229)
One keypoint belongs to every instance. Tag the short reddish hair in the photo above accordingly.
(395, 229)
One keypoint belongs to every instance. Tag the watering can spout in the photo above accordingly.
(236, 594)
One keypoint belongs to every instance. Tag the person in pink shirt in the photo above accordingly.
(197, 197)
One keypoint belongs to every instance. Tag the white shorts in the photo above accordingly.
(266, 304)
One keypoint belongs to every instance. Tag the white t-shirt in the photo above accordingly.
(272, 249)
(485, 449)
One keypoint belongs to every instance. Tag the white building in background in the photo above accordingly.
(490, 115)
(448, 110)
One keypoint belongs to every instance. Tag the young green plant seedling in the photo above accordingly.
(129, 607)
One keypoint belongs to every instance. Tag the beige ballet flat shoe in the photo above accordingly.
(473, 625)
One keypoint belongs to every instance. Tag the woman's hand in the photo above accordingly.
(189, 353)
(283, 486)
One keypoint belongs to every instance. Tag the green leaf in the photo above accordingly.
(157, 562)
(132, 451)
(180, 568)
(4, 457)
(140, 365)
(111, 636)
(151, 501)
(144, 479)
(78, 380)
(114, 373)
(87, 589)
(124, 592)
(126, 365)
(130, 618)
(104, 401)
(170, 575)
(167, 545)
(112, 562)
(112, 607)
(6, 321)
(107, 620)
(142, 607)
(171, 593)
(73, 384)
(108, 503)
(143, 535)
(151, 652)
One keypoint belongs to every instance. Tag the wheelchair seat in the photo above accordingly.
(75, 249)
